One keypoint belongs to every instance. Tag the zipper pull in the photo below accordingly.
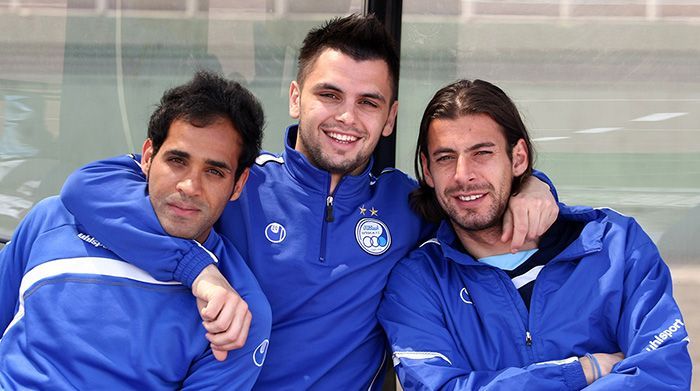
(329, 209)
(528, 338)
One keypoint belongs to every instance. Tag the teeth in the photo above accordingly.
(342, 137)
(471, 197)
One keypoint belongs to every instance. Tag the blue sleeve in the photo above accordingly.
(426, 356)
(242, 366)
(651, 331)
(109, 198)
(14, 258)
(544, 178)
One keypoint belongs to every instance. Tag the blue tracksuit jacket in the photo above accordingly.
(455, 323)
(81, 318)
(321, 259)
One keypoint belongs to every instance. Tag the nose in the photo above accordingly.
(464, 171)
(189, 186)
(346, 113)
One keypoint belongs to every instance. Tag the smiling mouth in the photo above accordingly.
(342, 138)
(471, 197)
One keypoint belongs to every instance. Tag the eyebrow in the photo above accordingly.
(211, 162)
(474, 147)
(333, 87)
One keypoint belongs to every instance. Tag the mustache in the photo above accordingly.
(182, 200)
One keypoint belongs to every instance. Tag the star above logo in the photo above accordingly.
(373, 212)
(363, 210)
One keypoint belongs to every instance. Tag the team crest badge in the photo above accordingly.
(373, 236)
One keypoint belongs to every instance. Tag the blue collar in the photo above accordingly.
(590, 240)
(317, 180)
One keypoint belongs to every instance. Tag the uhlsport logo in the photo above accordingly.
(464, 295)
(260, 353)
(275, 232)
(373, 236)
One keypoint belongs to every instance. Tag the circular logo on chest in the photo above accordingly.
(373, 236)
(275, 232)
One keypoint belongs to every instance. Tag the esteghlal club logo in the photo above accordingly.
(275, 232)
(373, 236)
(260, 353)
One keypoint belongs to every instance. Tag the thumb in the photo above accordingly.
(220, 355)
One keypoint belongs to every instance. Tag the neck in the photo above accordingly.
(487, 242)
(335, 179)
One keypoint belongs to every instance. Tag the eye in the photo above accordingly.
(444, 158)
(483, 153)
(216, 172)
(369, 103)
(328, 95)
(177, 160)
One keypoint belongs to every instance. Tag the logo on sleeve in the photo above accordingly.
(373, 236)
(275, 232)
(260, 353)
(464, 295)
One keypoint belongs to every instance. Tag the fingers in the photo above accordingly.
(520, 228)
(225, 315)
(234, 337)
(229, 322)
(507, 227)
(215, 302)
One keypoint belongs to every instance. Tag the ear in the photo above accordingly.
(294, 97)
(391, 119)
(519, 158)
(426, 171)
(238, 186)
(146, 156)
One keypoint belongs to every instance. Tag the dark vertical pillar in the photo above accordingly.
(389, 12)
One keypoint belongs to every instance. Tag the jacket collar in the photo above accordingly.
(317, 180)
(590, 240)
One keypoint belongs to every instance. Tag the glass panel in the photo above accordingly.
(610, 91)
(79, 78)
(610, 96)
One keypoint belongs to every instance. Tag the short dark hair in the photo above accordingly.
(202, 101)
(461, 98)
(362, 37)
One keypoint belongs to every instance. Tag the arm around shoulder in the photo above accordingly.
(109, 198)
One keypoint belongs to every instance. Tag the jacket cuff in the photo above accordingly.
(574, 377)
(191, 265)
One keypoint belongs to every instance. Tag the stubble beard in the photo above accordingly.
(470, 220)
(320, 159)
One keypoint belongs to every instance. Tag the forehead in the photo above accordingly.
(334, 67)
(218, 140)
(465, 131)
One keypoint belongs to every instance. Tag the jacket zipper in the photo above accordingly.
(327, 218)
(329, 209)
(508, 285)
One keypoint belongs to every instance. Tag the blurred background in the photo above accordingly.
(609, 89)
